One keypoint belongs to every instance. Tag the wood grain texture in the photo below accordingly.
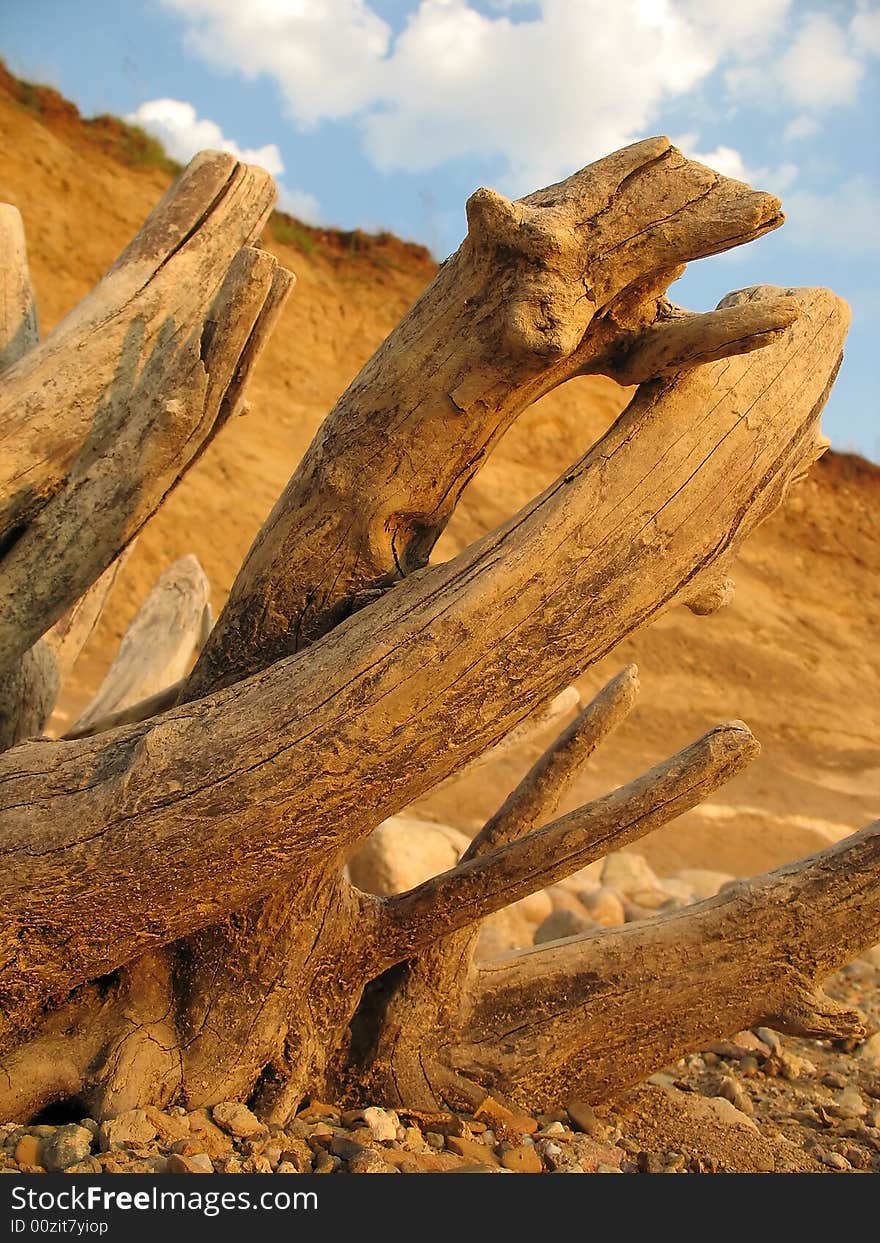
(540, 290)
(176, 920)
(99, 422)
(157, 648)
(591, 1015)
(250, 786)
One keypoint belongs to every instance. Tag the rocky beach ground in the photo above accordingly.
(756, 1102)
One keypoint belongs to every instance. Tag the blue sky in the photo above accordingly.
(389, 113)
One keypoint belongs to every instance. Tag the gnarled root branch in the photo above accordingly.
(593, 1014)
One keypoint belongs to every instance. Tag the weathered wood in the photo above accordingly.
(69, 635)
(29, 685)
(539, 291)
(99, 422)
(18, 311)
(133, 714)
(151, 299)
(537, 796)
(522, 735)
(220, 801)
(415, 998)
(591, 1015)
(28, 691)
(499, 874)
(567, 281)
(223, 953)
(158, 646)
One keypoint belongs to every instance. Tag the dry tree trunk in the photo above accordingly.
(224, 951)
(146, 677)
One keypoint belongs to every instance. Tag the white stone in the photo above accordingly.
(383, 1123)
(605, 906)
(131, 1127)
(237, 1119)
(534, 909)
(703, 882)
(676, 888)
(628, 873)
(403, 852)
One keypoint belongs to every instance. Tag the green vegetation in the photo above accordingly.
(290, 232)
(133, 145)
(30, 96)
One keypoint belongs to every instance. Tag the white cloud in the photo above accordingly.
(726, 160)
(818, 70)
(744, 27)
(299, 203)
(800, 127)
(865, 31)
(182, 133)
(729, 161)
(325, 54)
(546, 93)
(843, 220)
(545, 88)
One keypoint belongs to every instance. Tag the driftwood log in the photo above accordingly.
(204, 824)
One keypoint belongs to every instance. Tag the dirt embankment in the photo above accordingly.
(797, 655)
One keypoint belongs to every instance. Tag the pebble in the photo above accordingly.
(605, 906)
(505, 1122)
(382, 1123)
(237, 1119)
(649, 899)
(213, 1141)
(318, 1109)
(326, 1163)
(535, 907)
(551, 1154)
(743, 1044)
(522, 1159)
(198, 1163)
(368, 1161)
(477, 1167)
(582, 1117)
(770, 1038)
(342, 1145)
(676, 888)
(297, 1153)
(27, 1150)
(791, 1066)
(732, 1090)
(560, 924)
(834, 1160)
(628, 872)
(849, 1104)
(869, 1051)
(703, 882)
(134, 1126)
(473, 1149)
(89, 1165)
(66, 1146)
(169, 1127)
